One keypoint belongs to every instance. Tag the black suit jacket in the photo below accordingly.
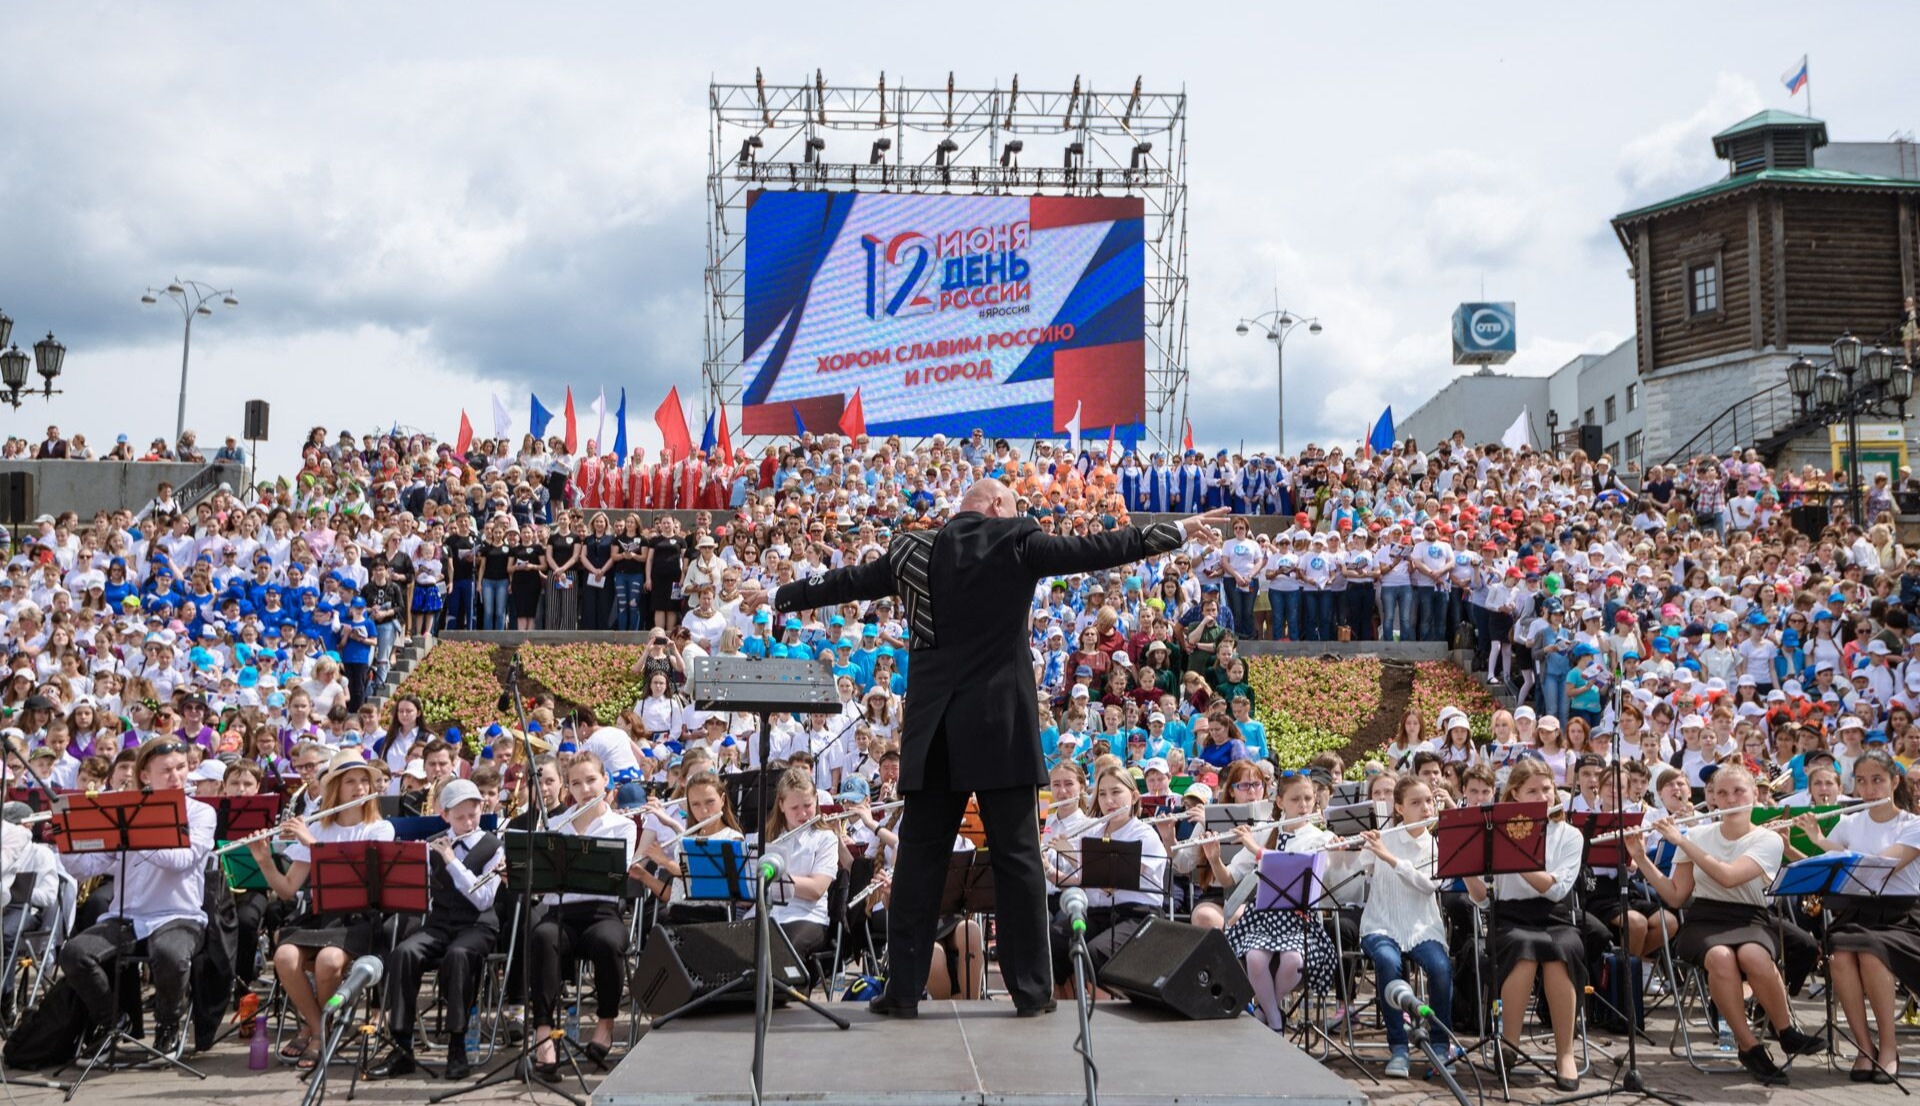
(968, 593)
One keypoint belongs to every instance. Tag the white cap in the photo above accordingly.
(1200, 791)
(1155, 764)
(210, 769)
(456, 792)
(1524, 712)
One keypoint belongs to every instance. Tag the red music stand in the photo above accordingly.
(241, 815)
(120, 822)
(1598, 823)
(353, 877)
(1492, 840)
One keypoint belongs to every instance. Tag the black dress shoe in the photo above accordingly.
(457, 1068)
(168, 1041)
(1046, 1007)
(886, 1009)
(1759, 1063)
(549, 1072)
(1795, 1041)
(597, 1052)
(397, 1062)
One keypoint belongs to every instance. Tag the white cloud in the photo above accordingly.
(1677, 156)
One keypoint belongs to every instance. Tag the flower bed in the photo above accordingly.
(1310, 706)
(1438, 684)
(586, 675)
(457, 683)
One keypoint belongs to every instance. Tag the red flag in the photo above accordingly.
(672, 421)
(726, 438)
(1186, 440)
(573, 434)
(853, 420)
(1110, 445)
(465, 439)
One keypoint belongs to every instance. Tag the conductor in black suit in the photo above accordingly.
(971, 724)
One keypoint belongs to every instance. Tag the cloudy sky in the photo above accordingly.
(421, 204)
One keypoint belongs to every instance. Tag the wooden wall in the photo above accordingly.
(1843, 265)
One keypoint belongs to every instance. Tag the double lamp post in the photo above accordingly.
(1858, 381)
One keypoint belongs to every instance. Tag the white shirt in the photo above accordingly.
(1153, 869)
(1563, 864)
(614, 748)
(161, 885)
(21, 855)
(616, 827)
(337, 833)
(467, 881)
(1764, 845)
(1402, 903)
(811, 852)
(1861, 834)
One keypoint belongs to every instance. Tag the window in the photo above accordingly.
(1633, 397)
(1612, 449)
(1633, 449)
(1703, 289)
(1611, 412)
(1587, 419)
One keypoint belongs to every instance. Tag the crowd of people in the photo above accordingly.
(1672, 622)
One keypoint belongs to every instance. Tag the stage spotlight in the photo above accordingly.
(1140, 152)
(747, 148)
(940, 152)
(814, 146)
(880, 148)
(1010, 154)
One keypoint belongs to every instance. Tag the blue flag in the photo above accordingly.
(620, 431)
(538, 420)
(708, 437)
(799, 427)
(1381, 440)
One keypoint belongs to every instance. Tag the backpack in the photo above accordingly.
(50, 1035)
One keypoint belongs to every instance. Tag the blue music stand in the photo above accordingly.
(1855, 874)
(715, 870)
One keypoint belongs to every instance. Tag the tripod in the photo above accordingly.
(1628, 1077)
(518, 1068)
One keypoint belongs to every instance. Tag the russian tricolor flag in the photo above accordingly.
(1796, 78)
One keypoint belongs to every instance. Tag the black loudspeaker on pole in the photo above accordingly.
(256, 430)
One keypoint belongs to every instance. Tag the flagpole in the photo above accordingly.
(1807, 66)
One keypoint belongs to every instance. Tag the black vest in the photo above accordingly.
(449, 906)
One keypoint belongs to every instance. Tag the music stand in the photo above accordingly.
(1110, 865)
(1483, 842)
(1352, 819)
(715, 870)
(240, 815)
(1224, 818)
(1611, 853)
(356, 877)
(1152, 806)
(567, 864)
(969, 890)
(1846, 874)
(121, 822)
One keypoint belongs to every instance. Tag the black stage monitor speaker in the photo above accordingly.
(1590, 441)
(1809, 520)
(683, 963)
(16, 498)
(256, 421)
(1189, 970)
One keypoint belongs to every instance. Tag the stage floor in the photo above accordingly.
(972, 1054)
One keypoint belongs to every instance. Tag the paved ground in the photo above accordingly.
(230, 1080)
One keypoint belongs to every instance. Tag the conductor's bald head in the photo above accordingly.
(989, 497)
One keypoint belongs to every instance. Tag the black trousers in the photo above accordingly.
(89, 958)
(928, 826)
(457, 953)
(591, 930)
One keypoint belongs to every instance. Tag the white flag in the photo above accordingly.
(600, 412)
(1073, 428)
(502, 424)
(1520, 433)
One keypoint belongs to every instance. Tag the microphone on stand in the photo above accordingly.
(365, 973)
(773, 867)
(1400, 995)
(1073, 903)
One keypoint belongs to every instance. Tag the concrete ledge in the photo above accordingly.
(1386, 650)
(85, 487)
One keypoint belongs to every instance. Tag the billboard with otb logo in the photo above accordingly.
(946, 313)
(1483, 334)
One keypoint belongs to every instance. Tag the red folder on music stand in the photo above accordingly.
(241, 815)
(1496, 839)
(121, 821)
(1599, 823)
(352, 877)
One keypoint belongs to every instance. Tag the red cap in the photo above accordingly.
(1302, 518)
(1623, 616)
(1344, 524)
(1513, 574)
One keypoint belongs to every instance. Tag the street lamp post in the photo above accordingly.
(192, 298)
(1553, 433)
(1279, 323)
(48, 358)
(1829, 395)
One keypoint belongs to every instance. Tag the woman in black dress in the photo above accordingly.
(596, 576)
(563, 575)
(528, 551)
(668, 550)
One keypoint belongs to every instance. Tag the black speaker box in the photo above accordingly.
(1590, 441)
(1187, 970)
(683, 963)
(256, 423)
(16, 498)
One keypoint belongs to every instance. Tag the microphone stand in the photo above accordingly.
(518, 1068)
(1083, 998)
(1419, 1034)
(1628, 1077)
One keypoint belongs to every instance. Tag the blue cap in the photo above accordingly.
(1663, 645)
(1837, 597)
(836, 620)
(277, 699)
(762, 618)
(495, 730)
(1083, 670)
(1823, 616)
(357, 603)
(249, 677)
(1585, 650)
(791, 624)
(854, 789)
(1718, 628)
(1755, 618)
(453, 735)
(1790, 638)
(1876, 737)
(569, 747)
(844, 643)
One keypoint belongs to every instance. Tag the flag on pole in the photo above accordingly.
(502, 422)
(620, 431)
(1520, 434)
(672, 421)
(573, 432)
(537, 421)
(708, 437)
(1186, 439)
(1381, 440)
(1073, 428)
(799, 424)
(726, 438)
(853, 420)
(465, 439)
(1110, 443)
(600, 413)
(1796, 78)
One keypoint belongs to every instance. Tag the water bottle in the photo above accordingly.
(1726, 1037)
(473, 1030)
(257, 1059)
(573, 1021)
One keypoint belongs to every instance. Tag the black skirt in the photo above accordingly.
(1886, 927)
(354, 933)
(1712, 924)
(1541, 931)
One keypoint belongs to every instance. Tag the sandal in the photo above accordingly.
(310, 1058)
(295, 1048)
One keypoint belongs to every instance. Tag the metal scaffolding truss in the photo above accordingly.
(952, 141)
